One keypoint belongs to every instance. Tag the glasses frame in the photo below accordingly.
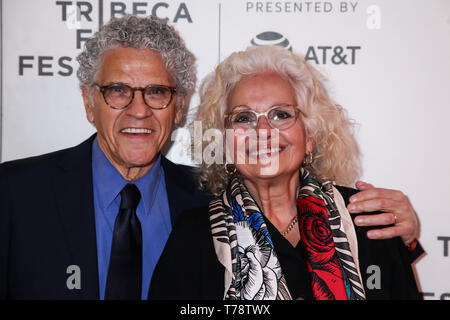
(265, 113)
(133, 90)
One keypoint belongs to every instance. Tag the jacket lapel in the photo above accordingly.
(74, 195)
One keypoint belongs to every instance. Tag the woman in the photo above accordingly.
(279, 224)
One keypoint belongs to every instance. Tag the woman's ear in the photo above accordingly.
(309, 145)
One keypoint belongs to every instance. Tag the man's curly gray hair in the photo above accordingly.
(141, 33)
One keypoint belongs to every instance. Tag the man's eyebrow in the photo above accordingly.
(116, 83)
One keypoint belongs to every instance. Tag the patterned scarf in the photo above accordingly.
(244, 247)
(322, 261)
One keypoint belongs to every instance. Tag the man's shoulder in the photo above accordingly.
(20, 170)
(33, 162)
(46, 162)
(183, 188)
(183, 175)
(179, 168)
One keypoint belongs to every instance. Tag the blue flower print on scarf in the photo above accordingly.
(255, 220)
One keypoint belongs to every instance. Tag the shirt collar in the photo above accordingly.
(109, 181)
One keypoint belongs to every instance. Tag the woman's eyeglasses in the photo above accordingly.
(279, 117)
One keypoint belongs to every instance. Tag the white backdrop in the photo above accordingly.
(388, 63)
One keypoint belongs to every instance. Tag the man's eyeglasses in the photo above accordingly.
(279, 117)
(119, 96)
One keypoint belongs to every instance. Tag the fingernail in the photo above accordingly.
(359, 221)
(351, 207)
(353, 199)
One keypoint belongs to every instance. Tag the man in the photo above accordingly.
(58, 214)
(90, 222)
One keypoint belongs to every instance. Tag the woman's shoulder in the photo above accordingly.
(346, 192)
(384, 264)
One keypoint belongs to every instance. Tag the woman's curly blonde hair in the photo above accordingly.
(336, 153)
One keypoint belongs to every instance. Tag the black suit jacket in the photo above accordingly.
(47, 222)
(189, 268)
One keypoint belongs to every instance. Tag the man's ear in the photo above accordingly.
(179, 112)
(88, 104)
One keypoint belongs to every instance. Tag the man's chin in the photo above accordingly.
(138, 162)
(141, 163)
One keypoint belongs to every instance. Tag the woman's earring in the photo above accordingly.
(306, 161)
(229, 168)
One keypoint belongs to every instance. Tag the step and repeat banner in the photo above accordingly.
(388, 64)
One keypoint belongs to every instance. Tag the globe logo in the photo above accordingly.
(271, 38)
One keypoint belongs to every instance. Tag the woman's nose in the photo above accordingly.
(263, 123)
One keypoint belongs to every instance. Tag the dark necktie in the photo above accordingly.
(125, 265)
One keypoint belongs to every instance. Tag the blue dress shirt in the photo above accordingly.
(152, 211)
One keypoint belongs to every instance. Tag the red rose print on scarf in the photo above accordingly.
(317, 240)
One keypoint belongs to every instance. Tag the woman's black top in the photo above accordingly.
(189, 269)
(293, 264)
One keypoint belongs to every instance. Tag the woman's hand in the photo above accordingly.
(396, 208)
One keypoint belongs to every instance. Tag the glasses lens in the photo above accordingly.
(157, 97)
(282, 117)
(243, 120)
(118, 95)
